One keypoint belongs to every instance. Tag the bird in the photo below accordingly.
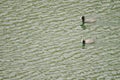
(87, 20)
(87, 41)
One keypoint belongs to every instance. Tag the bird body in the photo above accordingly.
(90, 20)
(84, 20)
(88, 41)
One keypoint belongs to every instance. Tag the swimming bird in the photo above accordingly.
(87, 20)
(87, 41)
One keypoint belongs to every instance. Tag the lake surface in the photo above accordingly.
(41, 40)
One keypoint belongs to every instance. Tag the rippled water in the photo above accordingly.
(41, 40)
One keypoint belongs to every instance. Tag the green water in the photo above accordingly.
(41, 40)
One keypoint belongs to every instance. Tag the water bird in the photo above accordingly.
(87, 20)
(87, 41)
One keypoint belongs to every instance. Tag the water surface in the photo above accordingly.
(41, 40)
